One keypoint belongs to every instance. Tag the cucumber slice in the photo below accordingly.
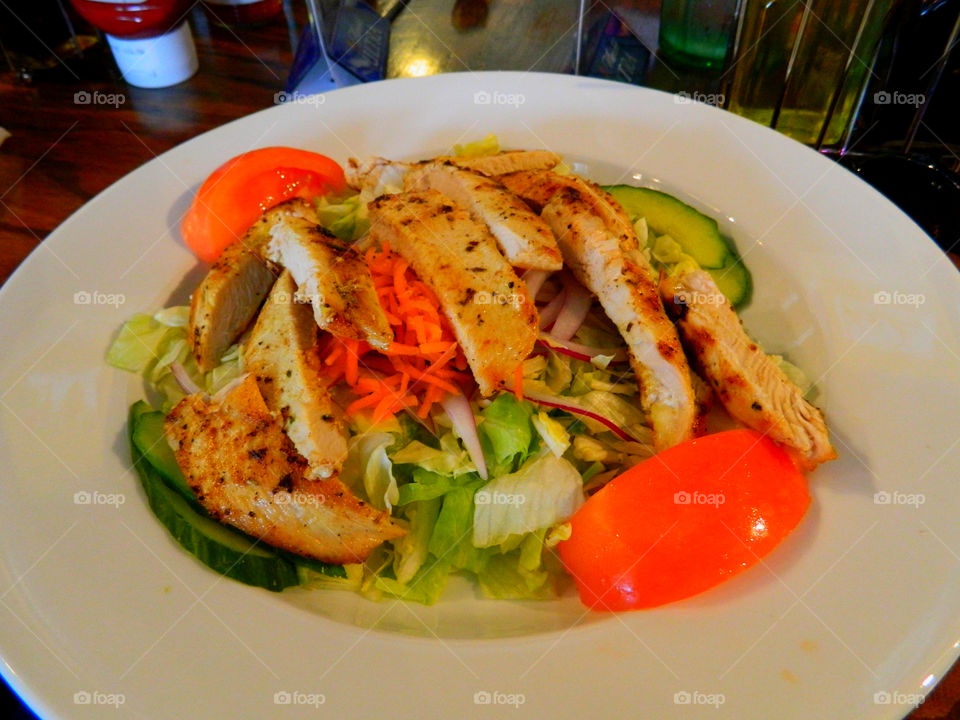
(734, 281)
(218, 546)
(147, 434)
(696, 233)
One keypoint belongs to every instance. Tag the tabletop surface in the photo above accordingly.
(54, 160)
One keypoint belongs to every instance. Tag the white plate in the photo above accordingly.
(854, 616)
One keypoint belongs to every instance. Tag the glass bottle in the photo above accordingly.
(802, 65)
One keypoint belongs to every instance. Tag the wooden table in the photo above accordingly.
(62, 153)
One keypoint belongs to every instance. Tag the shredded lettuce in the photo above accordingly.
(488, 146)
(412, 550)
(545, 491)
(448, 458)
(519, 574)
(150, 344)
(553, 433)
(344, 216)
(506, 432)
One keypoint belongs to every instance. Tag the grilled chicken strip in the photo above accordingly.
(748, 382)
(246, 473)
(507, 161)
(524, 238)
(487, 304)
(281, 353)
(377, 175)
(332, 277)
(537, 189)
(227, 299)
(601, 249)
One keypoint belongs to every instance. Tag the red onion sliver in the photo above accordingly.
(578, 351)
(569, 404)
(184, 380)
(573, 313)
(552, 309)
(534, 280)
(461, 415)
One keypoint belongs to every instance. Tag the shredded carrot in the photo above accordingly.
(420, 368)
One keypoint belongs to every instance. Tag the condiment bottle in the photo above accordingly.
(150, 39)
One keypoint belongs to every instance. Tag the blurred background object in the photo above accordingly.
(242, 13)
(801, 66)
(47, 39)
(697, 33)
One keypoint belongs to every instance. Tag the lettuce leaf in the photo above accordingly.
(425, 587)
(426, 485)
(449, 458)
(545, 491)
(451, 537)
(411, 550)
(345, 217)
(506, 432)
(368, 468)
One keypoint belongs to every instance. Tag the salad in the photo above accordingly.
(480, 364)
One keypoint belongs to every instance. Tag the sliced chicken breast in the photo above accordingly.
(604, 255)
(246, 473)
(748, 382)
(487, 304)
(281, 354)
(524, 238)
(377, 175)
(538, 187)
(229, 296)
(507, 161)
(332, 277)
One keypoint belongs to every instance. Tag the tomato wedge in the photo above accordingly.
(684, 521)
(243, 188)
